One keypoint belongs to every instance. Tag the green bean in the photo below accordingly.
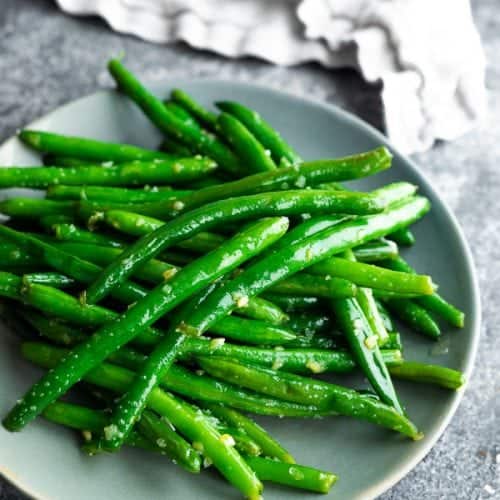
(32, 208)
(161, 433)
(281, 152)
(52, 279)
(296, 476)
(114, 194)
(181, 415)
(68, 335)
(434, 303)
(403, 237)
(363, 342)
(75, 416)
(183, 99)
(57, 303)
(375, 251)
(415, 316)
(304, 284)
(73, 233)
(165, 297)
(429, 374)
(135, 224)
(293, 360)
(269, 446)
(252, 331)
(289, 360)
(88, 149)
(306, 174)
(362, 203)
(370, 276)
(169, 123)
(304, 390)
(264, 310)
(206, 217)
(178, 170)
(248, 149)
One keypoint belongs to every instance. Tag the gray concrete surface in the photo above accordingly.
(47, 58)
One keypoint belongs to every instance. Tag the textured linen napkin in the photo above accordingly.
(426, 53)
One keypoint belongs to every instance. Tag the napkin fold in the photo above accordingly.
(427, 54)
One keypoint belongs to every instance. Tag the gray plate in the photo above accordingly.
(44, 460)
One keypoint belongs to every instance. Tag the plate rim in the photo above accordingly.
(391, 479)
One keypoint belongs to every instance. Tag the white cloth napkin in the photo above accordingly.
(427, 53)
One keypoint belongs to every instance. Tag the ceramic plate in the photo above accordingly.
(44, 460)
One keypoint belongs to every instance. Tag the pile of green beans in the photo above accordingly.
(209, 281)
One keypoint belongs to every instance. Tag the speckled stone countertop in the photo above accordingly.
(47, 58)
